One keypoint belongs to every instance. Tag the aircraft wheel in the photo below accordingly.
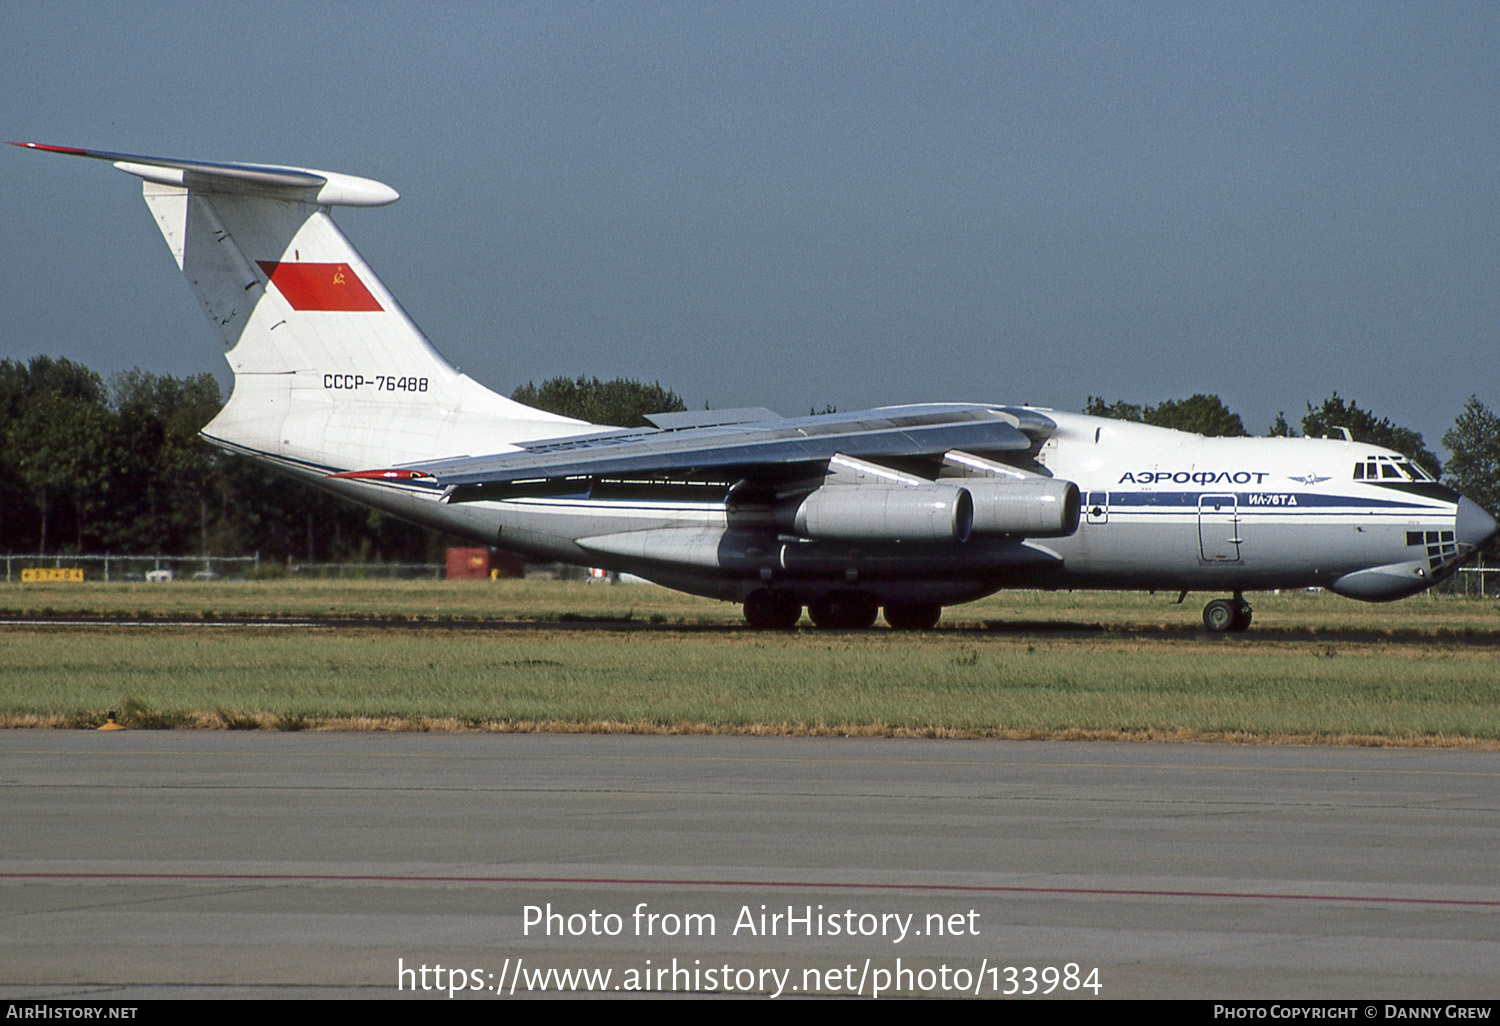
(844, 611)
(767, 610)
(912, 616)
(1220, 616)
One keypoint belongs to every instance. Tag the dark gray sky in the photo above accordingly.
(792, 205)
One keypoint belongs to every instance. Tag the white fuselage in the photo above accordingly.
(332, 377)
(1162, 509)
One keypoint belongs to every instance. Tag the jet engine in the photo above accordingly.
(920, 513)
(1032, 506)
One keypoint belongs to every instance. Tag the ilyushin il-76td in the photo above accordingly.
(903, 509)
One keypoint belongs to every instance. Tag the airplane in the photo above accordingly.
(902, 509)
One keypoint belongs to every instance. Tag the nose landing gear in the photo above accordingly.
(1222, 616)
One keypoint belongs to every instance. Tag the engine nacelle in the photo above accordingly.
(1033, 507)
(914, 513)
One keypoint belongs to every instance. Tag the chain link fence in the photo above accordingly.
(112, 567)
(1476, 581)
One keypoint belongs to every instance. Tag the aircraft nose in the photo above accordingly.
(1472, 526)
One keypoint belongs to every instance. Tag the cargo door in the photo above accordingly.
(1219, 528)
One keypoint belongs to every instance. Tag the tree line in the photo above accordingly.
(1473, 442)
(93, 466)
(1209, 416)
(89, 465)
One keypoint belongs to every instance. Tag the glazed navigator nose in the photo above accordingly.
(1472, 526)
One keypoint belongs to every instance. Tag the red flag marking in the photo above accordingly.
(320, 286)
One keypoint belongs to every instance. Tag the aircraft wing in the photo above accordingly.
(747, 448)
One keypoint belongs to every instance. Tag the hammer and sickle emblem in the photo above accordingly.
(338, 276)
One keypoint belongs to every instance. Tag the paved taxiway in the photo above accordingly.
(139, 864)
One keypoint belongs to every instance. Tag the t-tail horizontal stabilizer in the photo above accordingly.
(325, 188)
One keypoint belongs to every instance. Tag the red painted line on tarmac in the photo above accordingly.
(606, 881)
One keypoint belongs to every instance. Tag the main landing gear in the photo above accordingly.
(912, 616)
(1221, 616)
(771, 610)
(843, 611)
(767, 610)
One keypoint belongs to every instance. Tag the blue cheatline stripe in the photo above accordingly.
(1119, 501)
(1312, 503)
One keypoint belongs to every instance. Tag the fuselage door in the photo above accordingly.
(1096, 507)
(1219, 528)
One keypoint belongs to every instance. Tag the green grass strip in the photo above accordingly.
(948, 683)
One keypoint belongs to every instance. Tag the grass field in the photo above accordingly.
(557, 601)
(1315, 668)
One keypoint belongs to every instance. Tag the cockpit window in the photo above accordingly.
(1389, 468)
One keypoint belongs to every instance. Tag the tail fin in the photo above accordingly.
(329, 372)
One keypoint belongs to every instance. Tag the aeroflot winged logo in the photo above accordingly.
(320, 287)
